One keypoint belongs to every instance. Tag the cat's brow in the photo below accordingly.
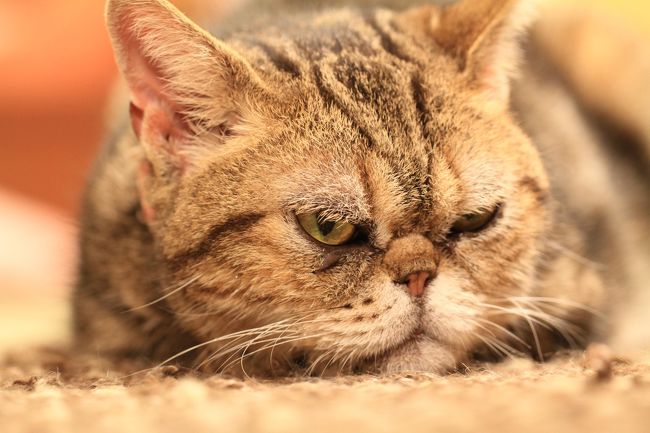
(533, 186)
(234, 224)
(350, 207)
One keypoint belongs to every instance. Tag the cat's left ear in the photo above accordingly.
(483, 37)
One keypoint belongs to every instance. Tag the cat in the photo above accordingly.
(374, 188)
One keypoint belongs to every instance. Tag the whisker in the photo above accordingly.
(567, 329)
(273, 348)
(223, 338)
(574, 256)
(490, 344)
(286, 341)
(173, 292)
(558, 302)
(333, 358)
(246, 344)
(504, 348)
(520, 312)
(347, 359)
(505, 331)
(313, 365)
(523, 313)
(232, 350)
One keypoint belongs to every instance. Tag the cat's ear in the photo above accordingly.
(182, 80)
(483, 37)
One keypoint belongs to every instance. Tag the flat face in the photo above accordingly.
(372, 128)
(344, 191)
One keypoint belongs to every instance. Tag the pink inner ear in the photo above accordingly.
(137, 115)
(495, 85)
(149, 100)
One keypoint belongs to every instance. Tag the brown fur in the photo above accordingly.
(394, 121)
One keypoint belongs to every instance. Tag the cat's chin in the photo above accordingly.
(419, 354)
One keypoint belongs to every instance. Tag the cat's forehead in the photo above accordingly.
(338, 32)
(370, 100)
(359, 64)
(370, 40)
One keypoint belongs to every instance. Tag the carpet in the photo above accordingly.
(46, 391)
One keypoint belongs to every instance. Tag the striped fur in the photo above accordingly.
(393, 121)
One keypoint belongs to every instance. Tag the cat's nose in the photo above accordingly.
(416, 282)
(412, 262)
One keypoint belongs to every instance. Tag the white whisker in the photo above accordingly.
(285, 341)
(505, 331)
(495, 343)
(252, 331)
(559, 302)
(574, 256)
(173, 292)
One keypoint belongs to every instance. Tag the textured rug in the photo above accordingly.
(47, 392)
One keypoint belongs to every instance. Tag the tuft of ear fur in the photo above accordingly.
(483, 37)
(182, 80)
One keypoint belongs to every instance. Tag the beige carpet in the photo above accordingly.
(43, 392)
(49, 393)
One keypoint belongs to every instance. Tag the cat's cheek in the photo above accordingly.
(380, 316)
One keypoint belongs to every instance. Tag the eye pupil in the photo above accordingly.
(326, 227)
(327, 231)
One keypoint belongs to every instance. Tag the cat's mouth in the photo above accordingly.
(413, 339)
(417, 352)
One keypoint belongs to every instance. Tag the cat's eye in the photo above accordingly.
(327, 232)
(474, 222)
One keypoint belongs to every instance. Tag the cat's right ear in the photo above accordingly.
(182, 80)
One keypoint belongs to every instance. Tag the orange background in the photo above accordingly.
(56, 71)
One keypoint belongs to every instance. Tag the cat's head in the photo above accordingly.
(351, 184)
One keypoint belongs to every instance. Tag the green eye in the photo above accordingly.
(474, 222)
(327, 232)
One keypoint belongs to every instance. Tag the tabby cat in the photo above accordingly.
(373, 188)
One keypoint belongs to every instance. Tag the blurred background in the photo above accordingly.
(56, 75)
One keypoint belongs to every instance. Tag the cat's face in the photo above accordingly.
(360, 198)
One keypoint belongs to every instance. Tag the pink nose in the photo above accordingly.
(416, 282)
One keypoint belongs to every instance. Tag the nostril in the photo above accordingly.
(403, 280)
(416, 282)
